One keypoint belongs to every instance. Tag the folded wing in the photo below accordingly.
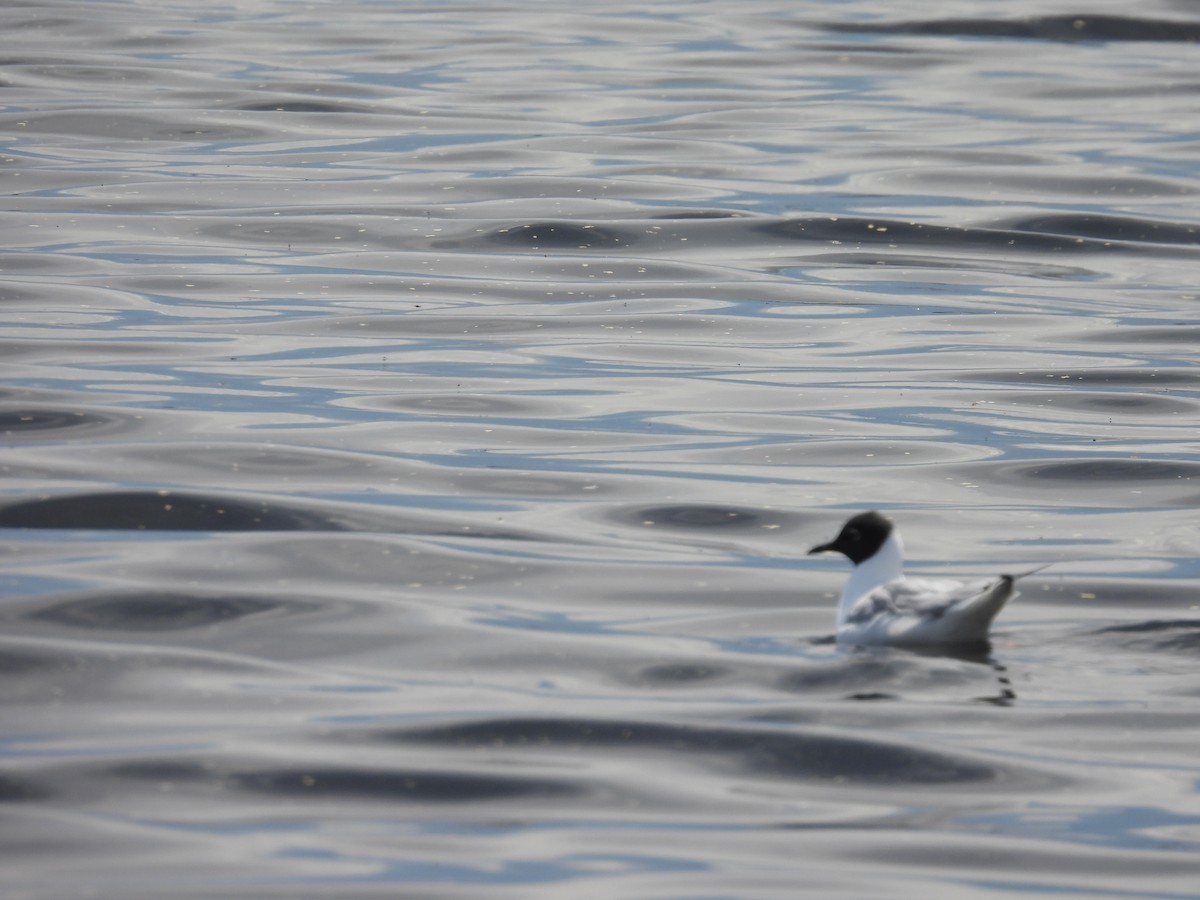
(920, 598)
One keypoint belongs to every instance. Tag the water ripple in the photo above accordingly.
(416, 418)
(766, 754)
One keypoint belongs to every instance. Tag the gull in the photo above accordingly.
(880, 606)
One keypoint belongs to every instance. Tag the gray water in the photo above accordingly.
(414, 417)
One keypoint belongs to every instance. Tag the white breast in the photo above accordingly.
(886, 565)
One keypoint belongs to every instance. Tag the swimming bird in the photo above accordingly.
(880, 606)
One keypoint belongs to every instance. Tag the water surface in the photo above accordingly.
(414, 418)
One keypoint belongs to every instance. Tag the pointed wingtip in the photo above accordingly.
(1028, 572)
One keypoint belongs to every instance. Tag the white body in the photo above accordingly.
(880, 606)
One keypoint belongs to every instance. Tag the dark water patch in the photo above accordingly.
(896, 233)
(672, 233)
(958, 672)
(987, 859)
(1182, 333)
(1112, 471)
(173, 511)
(1114, 403)
(15, 789)
(1125, 481)
(685, 214)
(1157, 634)
(33, 423)
(16, 661)
(1101, 227)
(160, 511)
(692, 517)
(57, 264)
(387, 786)
(679, 673)
(853, 673)
(1132, 376)
(561, 236)
(778, 754)
(156, 611)
(46, 73)
(384, 785)
(1059, 28)
(872, 696)
(124, 126)
(301, 106)
(166, 770)
(51, 352)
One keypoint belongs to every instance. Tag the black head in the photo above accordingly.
(859, 538)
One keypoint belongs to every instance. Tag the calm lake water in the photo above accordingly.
(414, 417)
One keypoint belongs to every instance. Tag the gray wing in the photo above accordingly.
(917, 597)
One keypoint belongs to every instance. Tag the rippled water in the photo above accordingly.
(414, 417)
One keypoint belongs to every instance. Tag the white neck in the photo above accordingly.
(886, 565)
